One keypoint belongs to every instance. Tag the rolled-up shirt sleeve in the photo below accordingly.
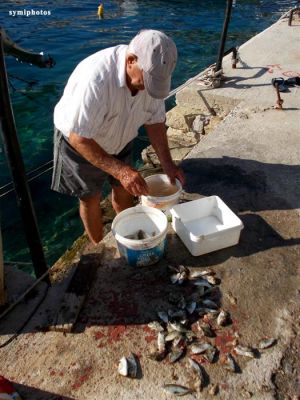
(91, 109)
(158, 113)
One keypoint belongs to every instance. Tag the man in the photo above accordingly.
(107, 98)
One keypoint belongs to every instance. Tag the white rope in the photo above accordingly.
(206, 78)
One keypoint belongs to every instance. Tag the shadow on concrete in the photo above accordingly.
(245, 185)
(30, 393)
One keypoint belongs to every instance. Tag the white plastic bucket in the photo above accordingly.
(163, 203)
(146, 251)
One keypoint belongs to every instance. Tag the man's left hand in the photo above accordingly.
(173, 172)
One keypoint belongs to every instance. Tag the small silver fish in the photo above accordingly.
(177, 326)
(156, 326)
(132, 366)
(202, 283)
(191, 307)
(210, 354)
(244, 351)
(223, 318)
(200, 371)
(172, 336)
(177, 390)
(212, 280)
(123, 366)
(198, 348)
(175, 278)
(230, 363)
(163, 316)
(161, 342)
(175, 355)
(266, 343)
(206, 330)
(177, 313)
(128, 366)
(210, 304)
(199, 274)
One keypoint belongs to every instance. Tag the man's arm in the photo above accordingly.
(130, 179)
(157, 134)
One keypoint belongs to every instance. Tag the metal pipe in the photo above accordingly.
(13, 152)
(12, 49)
(224, 35)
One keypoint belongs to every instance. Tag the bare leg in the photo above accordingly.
(121, 199)
(91, 216)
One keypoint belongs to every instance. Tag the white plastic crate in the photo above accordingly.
(206, 225)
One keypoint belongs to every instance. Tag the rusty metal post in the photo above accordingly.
(224, 35)
(13, 152)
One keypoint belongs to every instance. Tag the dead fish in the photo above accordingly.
(223, 318)
(190, 336)
(213, 389)
(244, 351)
(230, 364)
(123, 366)
(198, 348)
(180, 342)
(177, 313)
(133, 366)
(161, 342)
(210, 355)
(202, 283)
(128, 366)
(177, 326)
(206, 330)
(156, 326)
(163, 316)
(199, 370)
(212, 279)
(266, 343)
(177, 390)
(175, 278)
(191, 307)
(210, 303)
(199, 274)
(175, 355)
(172, 336)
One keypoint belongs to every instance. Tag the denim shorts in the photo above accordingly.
(74, 175)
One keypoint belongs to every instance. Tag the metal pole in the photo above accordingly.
(13, 152)
(224, 34)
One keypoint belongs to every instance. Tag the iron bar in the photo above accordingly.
(14, 156)
(224, 35)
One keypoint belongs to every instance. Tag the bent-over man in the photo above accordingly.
(107, 98)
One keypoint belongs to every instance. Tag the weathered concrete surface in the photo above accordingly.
(251, 160)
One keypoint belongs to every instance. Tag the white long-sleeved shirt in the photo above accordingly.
(97, 103)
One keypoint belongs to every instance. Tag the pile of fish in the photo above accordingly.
(140, 235)
(187, 327)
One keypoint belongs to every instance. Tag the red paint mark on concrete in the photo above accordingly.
(116, 332)
(151, 334)
(271, 67)
(291, 74)
(224, 342)
(199, 359)
(83, 378)
(98, 335)
(52, 373)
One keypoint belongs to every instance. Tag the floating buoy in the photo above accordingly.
(100, 11)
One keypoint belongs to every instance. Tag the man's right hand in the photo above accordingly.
(133, 182)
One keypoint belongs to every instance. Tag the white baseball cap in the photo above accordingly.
(157, 56)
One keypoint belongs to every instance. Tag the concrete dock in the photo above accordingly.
(250, 160)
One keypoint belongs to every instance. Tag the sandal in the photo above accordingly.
(280, 83)
(295, 80)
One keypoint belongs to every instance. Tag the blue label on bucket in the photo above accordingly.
(139, 258)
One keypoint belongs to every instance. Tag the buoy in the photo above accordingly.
(100, 11)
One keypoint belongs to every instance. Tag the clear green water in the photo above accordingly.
(73, 32)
